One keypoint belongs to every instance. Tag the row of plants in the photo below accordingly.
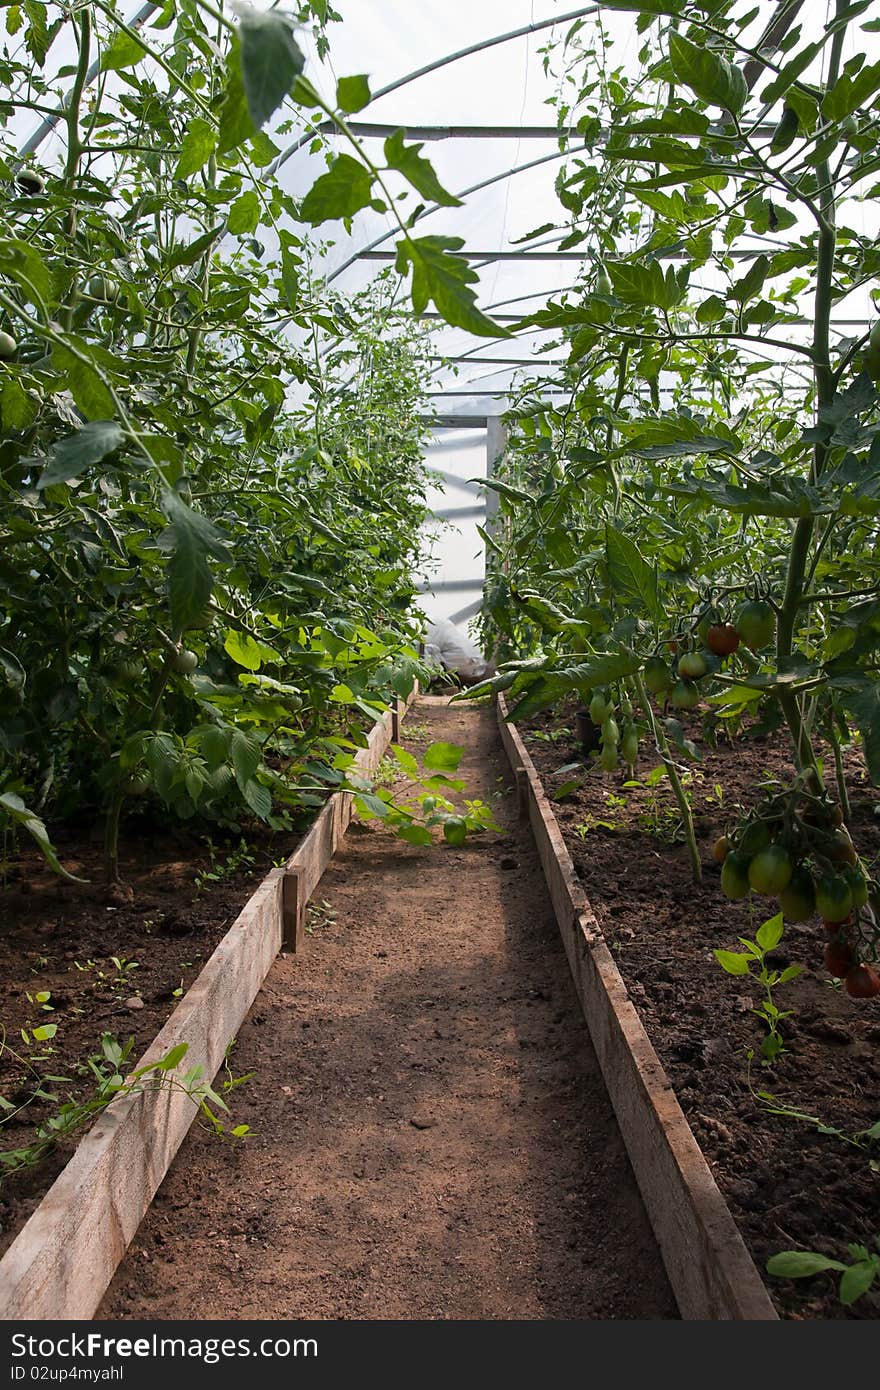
(211, 467)
(687, 542)
(715, 547)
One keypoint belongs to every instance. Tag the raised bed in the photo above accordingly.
(710, 1269)
(62, 1260)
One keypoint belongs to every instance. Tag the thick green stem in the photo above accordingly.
(802, 538)
(671, 770)
(842, 793)
(111, 836)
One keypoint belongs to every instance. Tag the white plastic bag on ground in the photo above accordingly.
(446, 646)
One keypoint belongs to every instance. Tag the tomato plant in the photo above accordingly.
(703, 492)
(210, 465)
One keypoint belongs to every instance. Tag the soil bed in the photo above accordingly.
(431, 1133)
(62, 937)
(788, 1186)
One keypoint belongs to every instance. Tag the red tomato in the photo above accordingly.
(722, 639)
(838, 958)
(862, 982)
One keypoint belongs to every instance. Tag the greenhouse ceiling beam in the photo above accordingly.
(469, 611)
(48, 124)
(742, 254)
(453, 422)
(459, 513)
(453, 479)
(450, 586)
(372, 130)
(502, 361)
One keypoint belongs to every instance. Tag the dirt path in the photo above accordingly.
(432, 1135)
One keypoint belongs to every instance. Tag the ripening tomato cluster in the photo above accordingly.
(795, 848)
(619, 738)
(678, 681)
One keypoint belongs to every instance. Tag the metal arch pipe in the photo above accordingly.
(435, 207)
(438, 63)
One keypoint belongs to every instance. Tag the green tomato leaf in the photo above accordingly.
(631, 577)
(414, 834)
(353, 94)
(800, 1264)
(855, 1281)
(442, 757)
(124, 51)
(405, 760)
(407, 160)
(15, 808)
(78, 451)
(198, 145)
(341, 192)
(710, 76)
(191, 538)
(442, 276)
(734, 962)
(16, 406)
(243, 650)
(84, 383)
(244, 215)
(271, 61)
(259, 798)
(770, 934)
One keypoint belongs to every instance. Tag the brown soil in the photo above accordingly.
(431, 1134)
(60, 937)
(788, 1185)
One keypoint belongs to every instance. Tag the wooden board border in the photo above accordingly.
(709, 1267)
(61, 1262)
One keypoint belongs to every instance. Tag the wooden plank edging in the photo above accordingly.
(709, 1267)
(61, 1262)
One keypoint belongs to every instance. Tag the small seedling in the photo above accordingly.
(752, 962)
(856, 1277)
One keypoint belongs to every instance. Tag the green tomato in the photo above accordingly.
(858, 885)
(658, 677)
(871, 363)
(756, 624)
(184, 661)
(785, 131)
(629, 745)
(874, 337)
(610, 731)
(735, 876)
(692, 666)
(603, 282)
(102, 288)
(599, 708)
(770, 871)
(608, 757)
(798, 900)
(8, 346)
(455, 830)
(685, 695)
(834, 898)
